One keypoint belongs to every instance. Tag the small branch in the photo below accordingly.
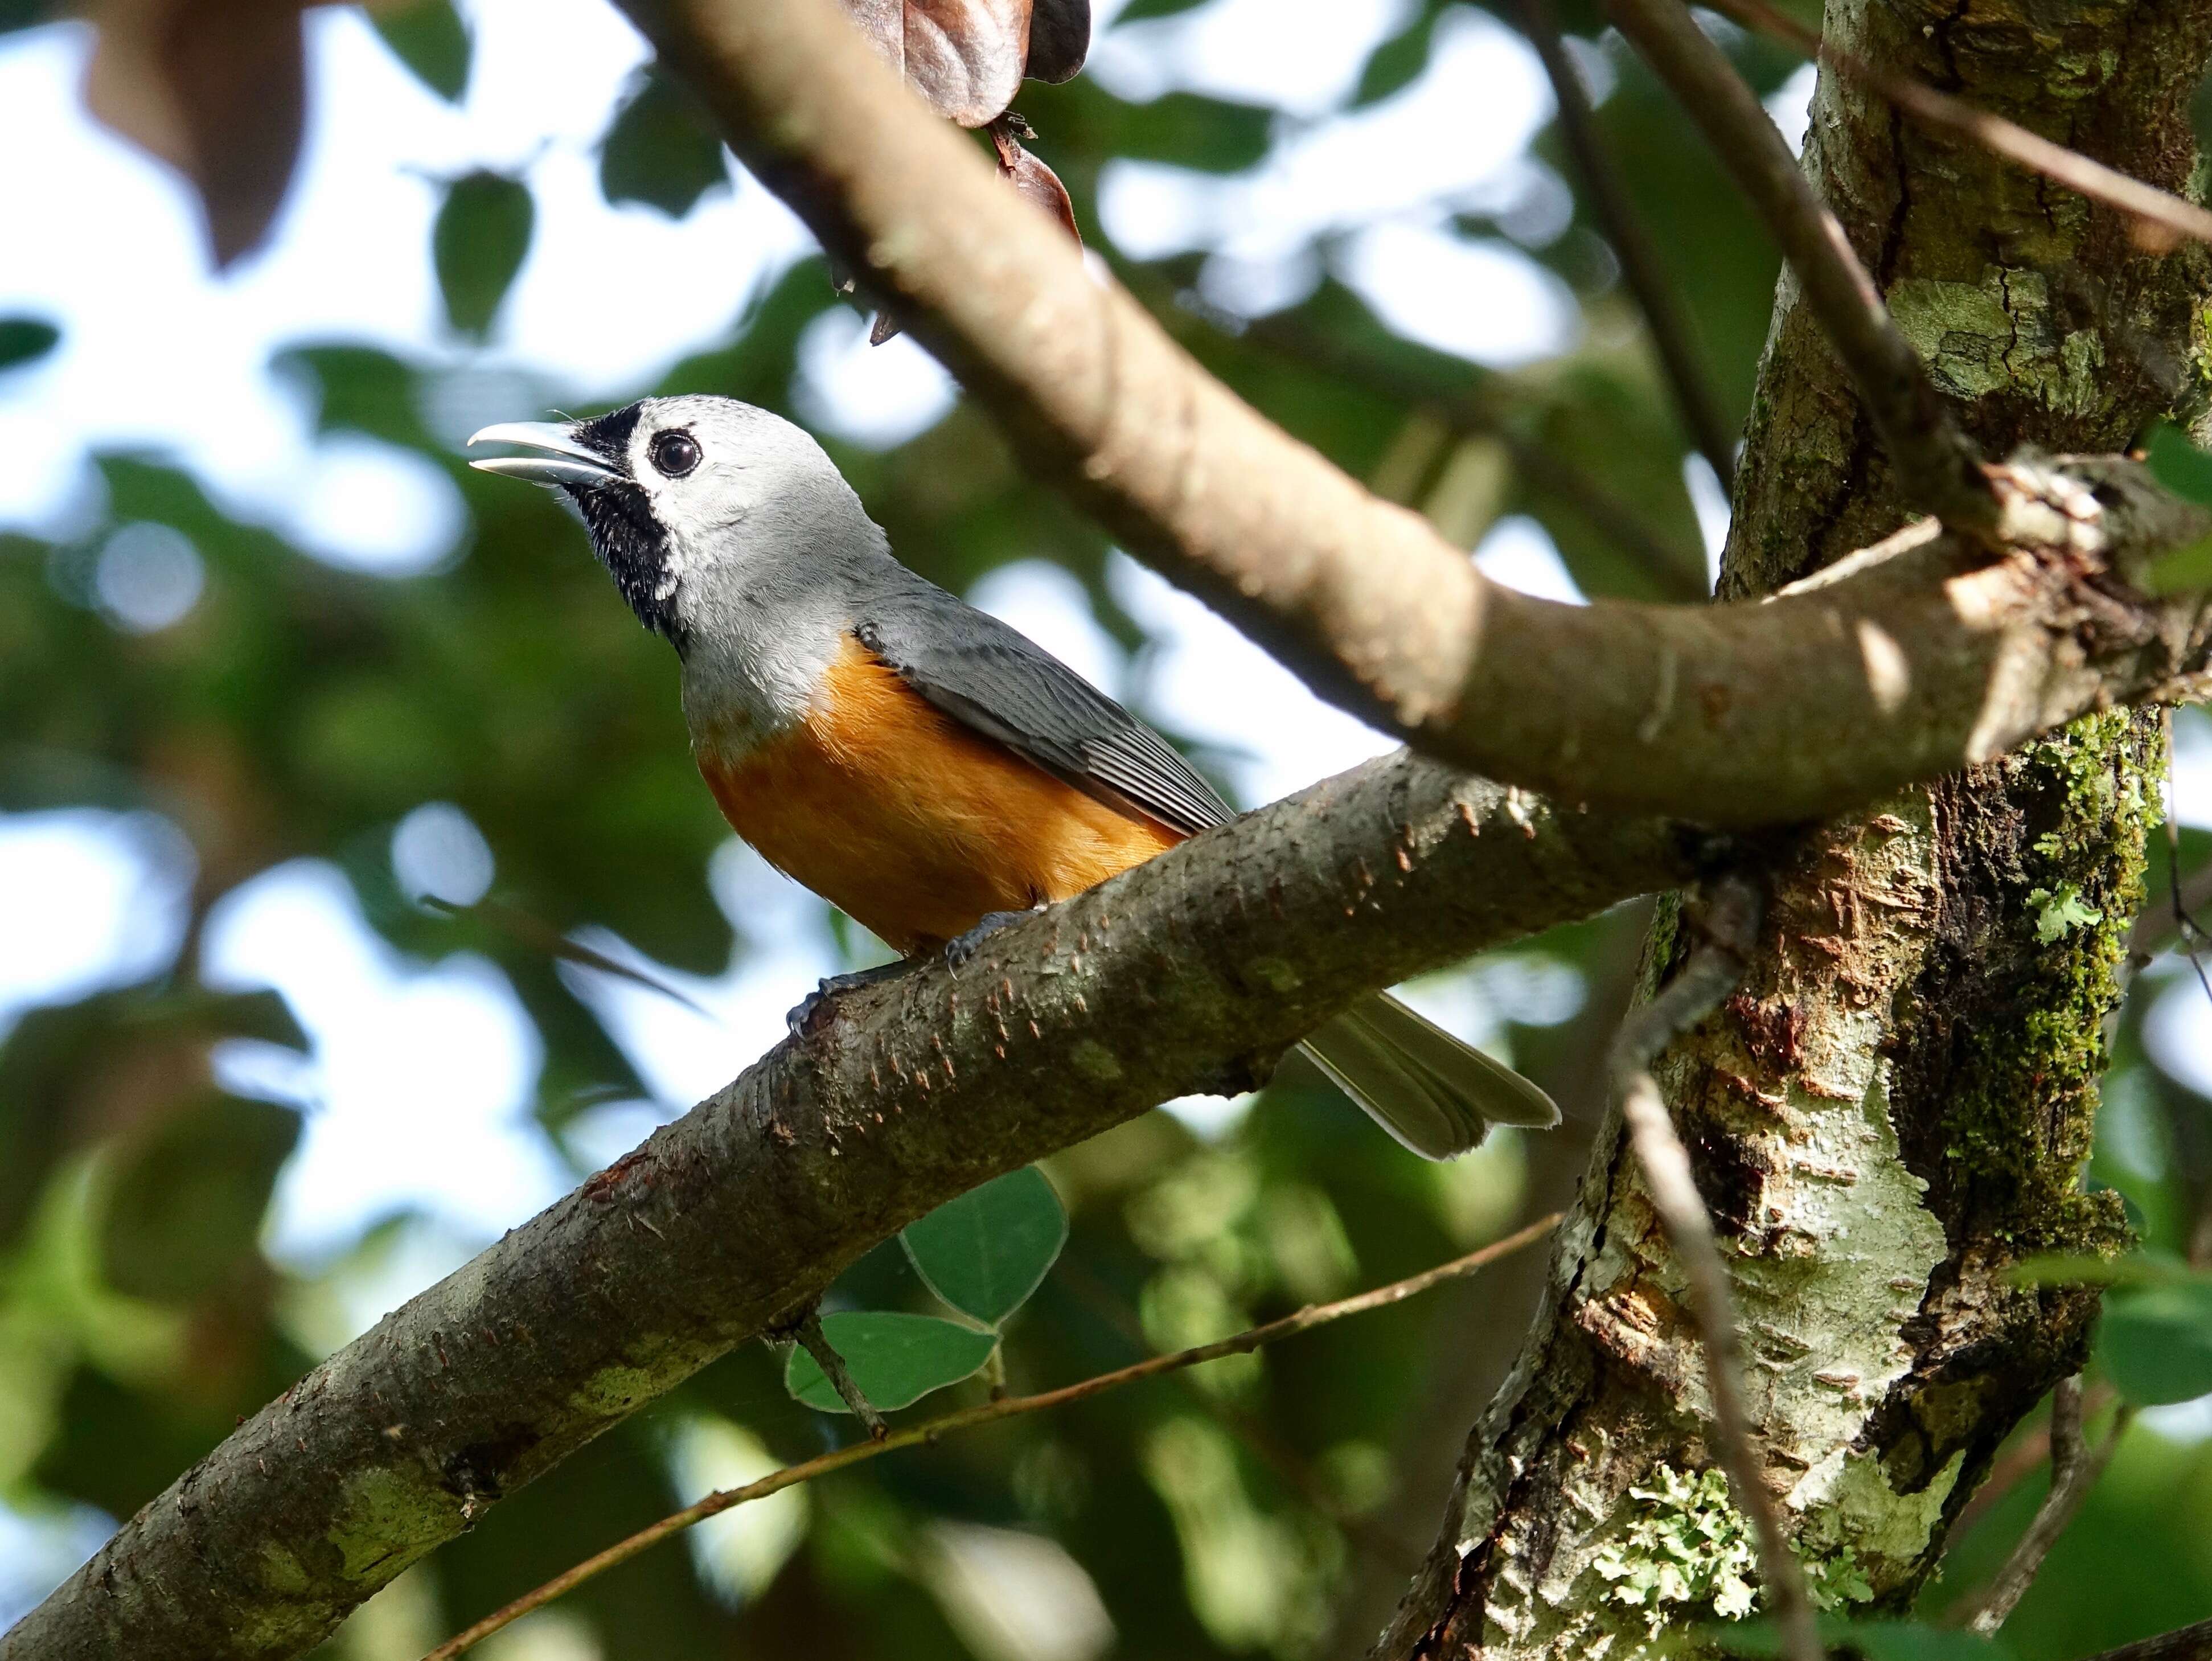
(809, 1336)
(2013, 1467)
(2166, 217)
(1693, 994)
(1371, 1534)
(2074, 1469)
(1937, 466)
(2152, 933)
(2187, 1644)
(1009, 1407)
(1672, 334)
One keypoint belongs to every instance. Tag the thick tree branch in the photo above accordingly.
(1191, 972)
(1731, 714)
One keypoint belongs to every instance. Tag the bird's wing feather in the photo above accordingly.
(997, 680)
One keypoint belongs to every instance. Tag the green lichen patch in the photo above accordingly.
(1688, 1551)
(1688, 1548)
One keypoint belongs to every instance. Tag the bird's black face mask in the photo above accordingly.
(630, 542)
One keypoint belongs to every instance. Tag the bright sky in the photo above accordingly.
(422, 1070)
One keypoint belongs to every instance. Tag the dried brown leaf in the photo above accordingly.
(216, 89)
(967, 57)
(1035, 181)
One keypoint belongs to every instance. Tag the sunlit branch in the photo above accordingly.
(1191, 972)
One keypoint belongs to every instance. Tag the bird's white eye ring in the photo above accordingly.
(674, 453)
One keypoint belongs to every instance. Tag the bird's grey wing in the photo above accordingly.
(997, 680)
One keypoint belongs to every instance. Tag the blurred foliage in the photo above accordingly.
(480, 241)
(298, 711)
(430, 39)
(660, 149)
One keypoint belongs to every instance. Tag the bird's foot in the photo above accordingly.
(810, 1012)
(962, 947)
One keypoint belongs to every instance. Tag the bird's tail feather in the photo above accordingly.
(1435, 1094)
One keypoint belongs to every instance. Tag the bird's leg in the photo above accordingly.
(803, 1016)
(811, 1339)
(959, 949)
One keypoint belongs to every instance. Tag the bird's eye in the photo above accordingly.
(675, 454)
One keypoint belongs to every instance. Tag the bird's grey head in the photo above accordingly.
(691, 502)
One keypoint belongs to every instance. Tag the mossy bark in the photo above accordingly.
(1896, 1104)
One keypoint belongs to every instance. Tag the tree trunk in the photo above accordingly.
(1897, 1103)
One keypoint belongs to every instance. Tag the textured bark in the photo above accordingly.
(1744, 715)
(1897, 1102)
(1192, 972)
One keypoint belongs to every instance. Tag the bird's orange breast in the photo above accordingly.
(913, 823)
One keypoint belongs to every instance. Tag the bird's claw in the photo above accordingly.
(962, 947)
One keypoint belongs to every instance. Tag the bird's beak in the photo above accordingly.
(565, 462)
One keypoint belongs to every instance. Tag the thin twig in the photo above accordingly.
(2186, 933)
(2026, 1455)
(1672, 333)
(1937, 466)
(1696, 989)
(538, 935)
(1008, 1406)
(1679, 573)
(811, 1339)
(2075, 1467)
(1365, 1530)
(2186, 1644)
(2172, 218)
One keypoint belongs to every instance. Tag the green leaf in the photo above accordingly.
(2186, 470)
(430, 39)
(1188, 129)
(2156, 1341)
(2178, 464)
(1877, 1641)
(895, 1360)
(1138, 10)
(1398, 62)
(985, 1252)
(478, 244)
(359, 389)
(26, 340)
(660, 150)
